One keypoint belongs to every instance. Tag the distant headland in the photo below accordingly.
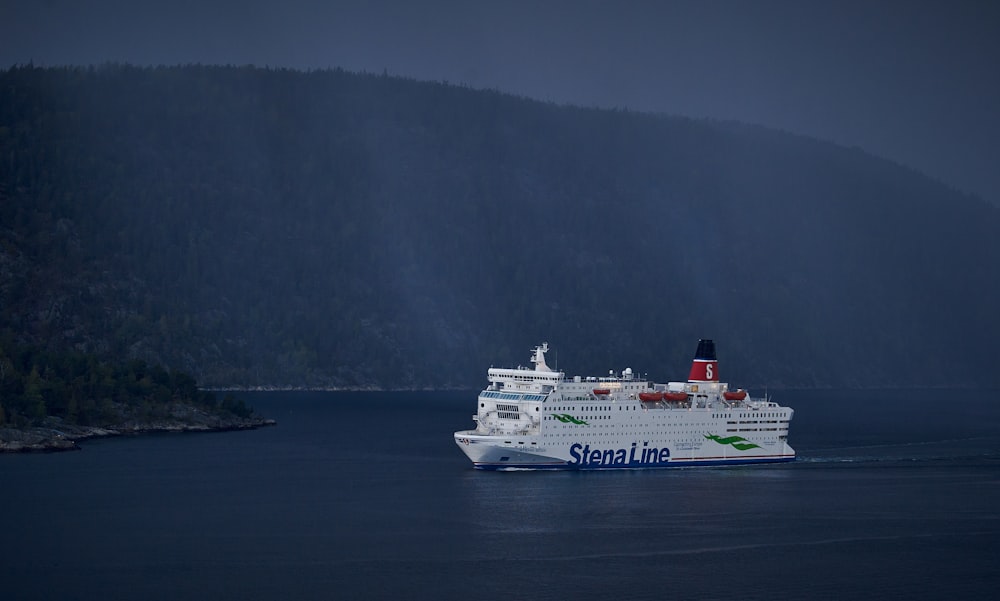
(55, 435)
(51, 400)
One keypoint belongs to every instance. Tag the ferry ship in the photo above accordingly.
(536, 418)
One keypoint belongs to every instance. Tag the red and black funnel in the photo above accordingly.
(705, 367)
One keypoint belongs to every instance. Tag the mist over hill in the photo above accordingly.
(274, 227)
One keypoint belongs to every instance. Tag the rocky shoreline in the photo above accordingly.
(54, 435)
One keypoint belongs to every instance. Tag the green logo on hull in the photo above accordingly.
(737, 442)
(569, 419)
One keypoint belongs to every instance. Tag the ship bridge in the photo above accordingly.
(541, 379)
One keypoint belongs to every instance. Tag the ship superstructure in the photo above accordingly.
(537, 418)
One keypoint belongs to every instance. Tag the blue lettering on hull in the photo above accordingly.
(583, 456)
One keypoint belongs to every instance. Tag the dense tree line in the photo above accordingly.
(273, 227)
(80, 389)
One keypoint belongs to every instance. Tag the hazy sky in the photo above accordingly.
(916, 82)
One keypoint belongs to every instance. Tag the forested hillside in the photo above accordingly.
(273, 227)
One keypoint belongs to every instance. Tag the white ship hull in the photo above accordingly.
(538, 419)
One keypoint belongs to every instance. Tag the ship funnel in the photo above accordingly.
(705, 367)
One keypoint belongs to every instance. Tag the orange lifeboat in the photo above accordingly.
(602, 391)
(650, 397)
(675, 396)
(739, 395)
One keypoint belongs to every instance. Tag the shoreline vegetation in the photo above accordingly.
(55, 435)
(51, 400)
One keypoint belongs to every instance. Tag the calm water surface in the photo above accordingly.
(364, 496)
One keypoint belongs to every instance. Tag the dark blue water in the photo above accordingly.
(365, 496)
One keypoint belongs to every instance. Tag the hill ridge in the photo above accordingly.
(332, 229)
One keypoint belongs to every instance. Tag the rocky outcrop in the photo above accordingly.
(54, 435)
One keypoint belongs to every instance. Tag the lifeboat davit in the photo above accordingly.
(675, 396)
(602, 391)
(650, 397)
(739, 395)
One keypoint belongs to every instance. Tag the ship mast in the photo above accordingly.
(539, 357)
